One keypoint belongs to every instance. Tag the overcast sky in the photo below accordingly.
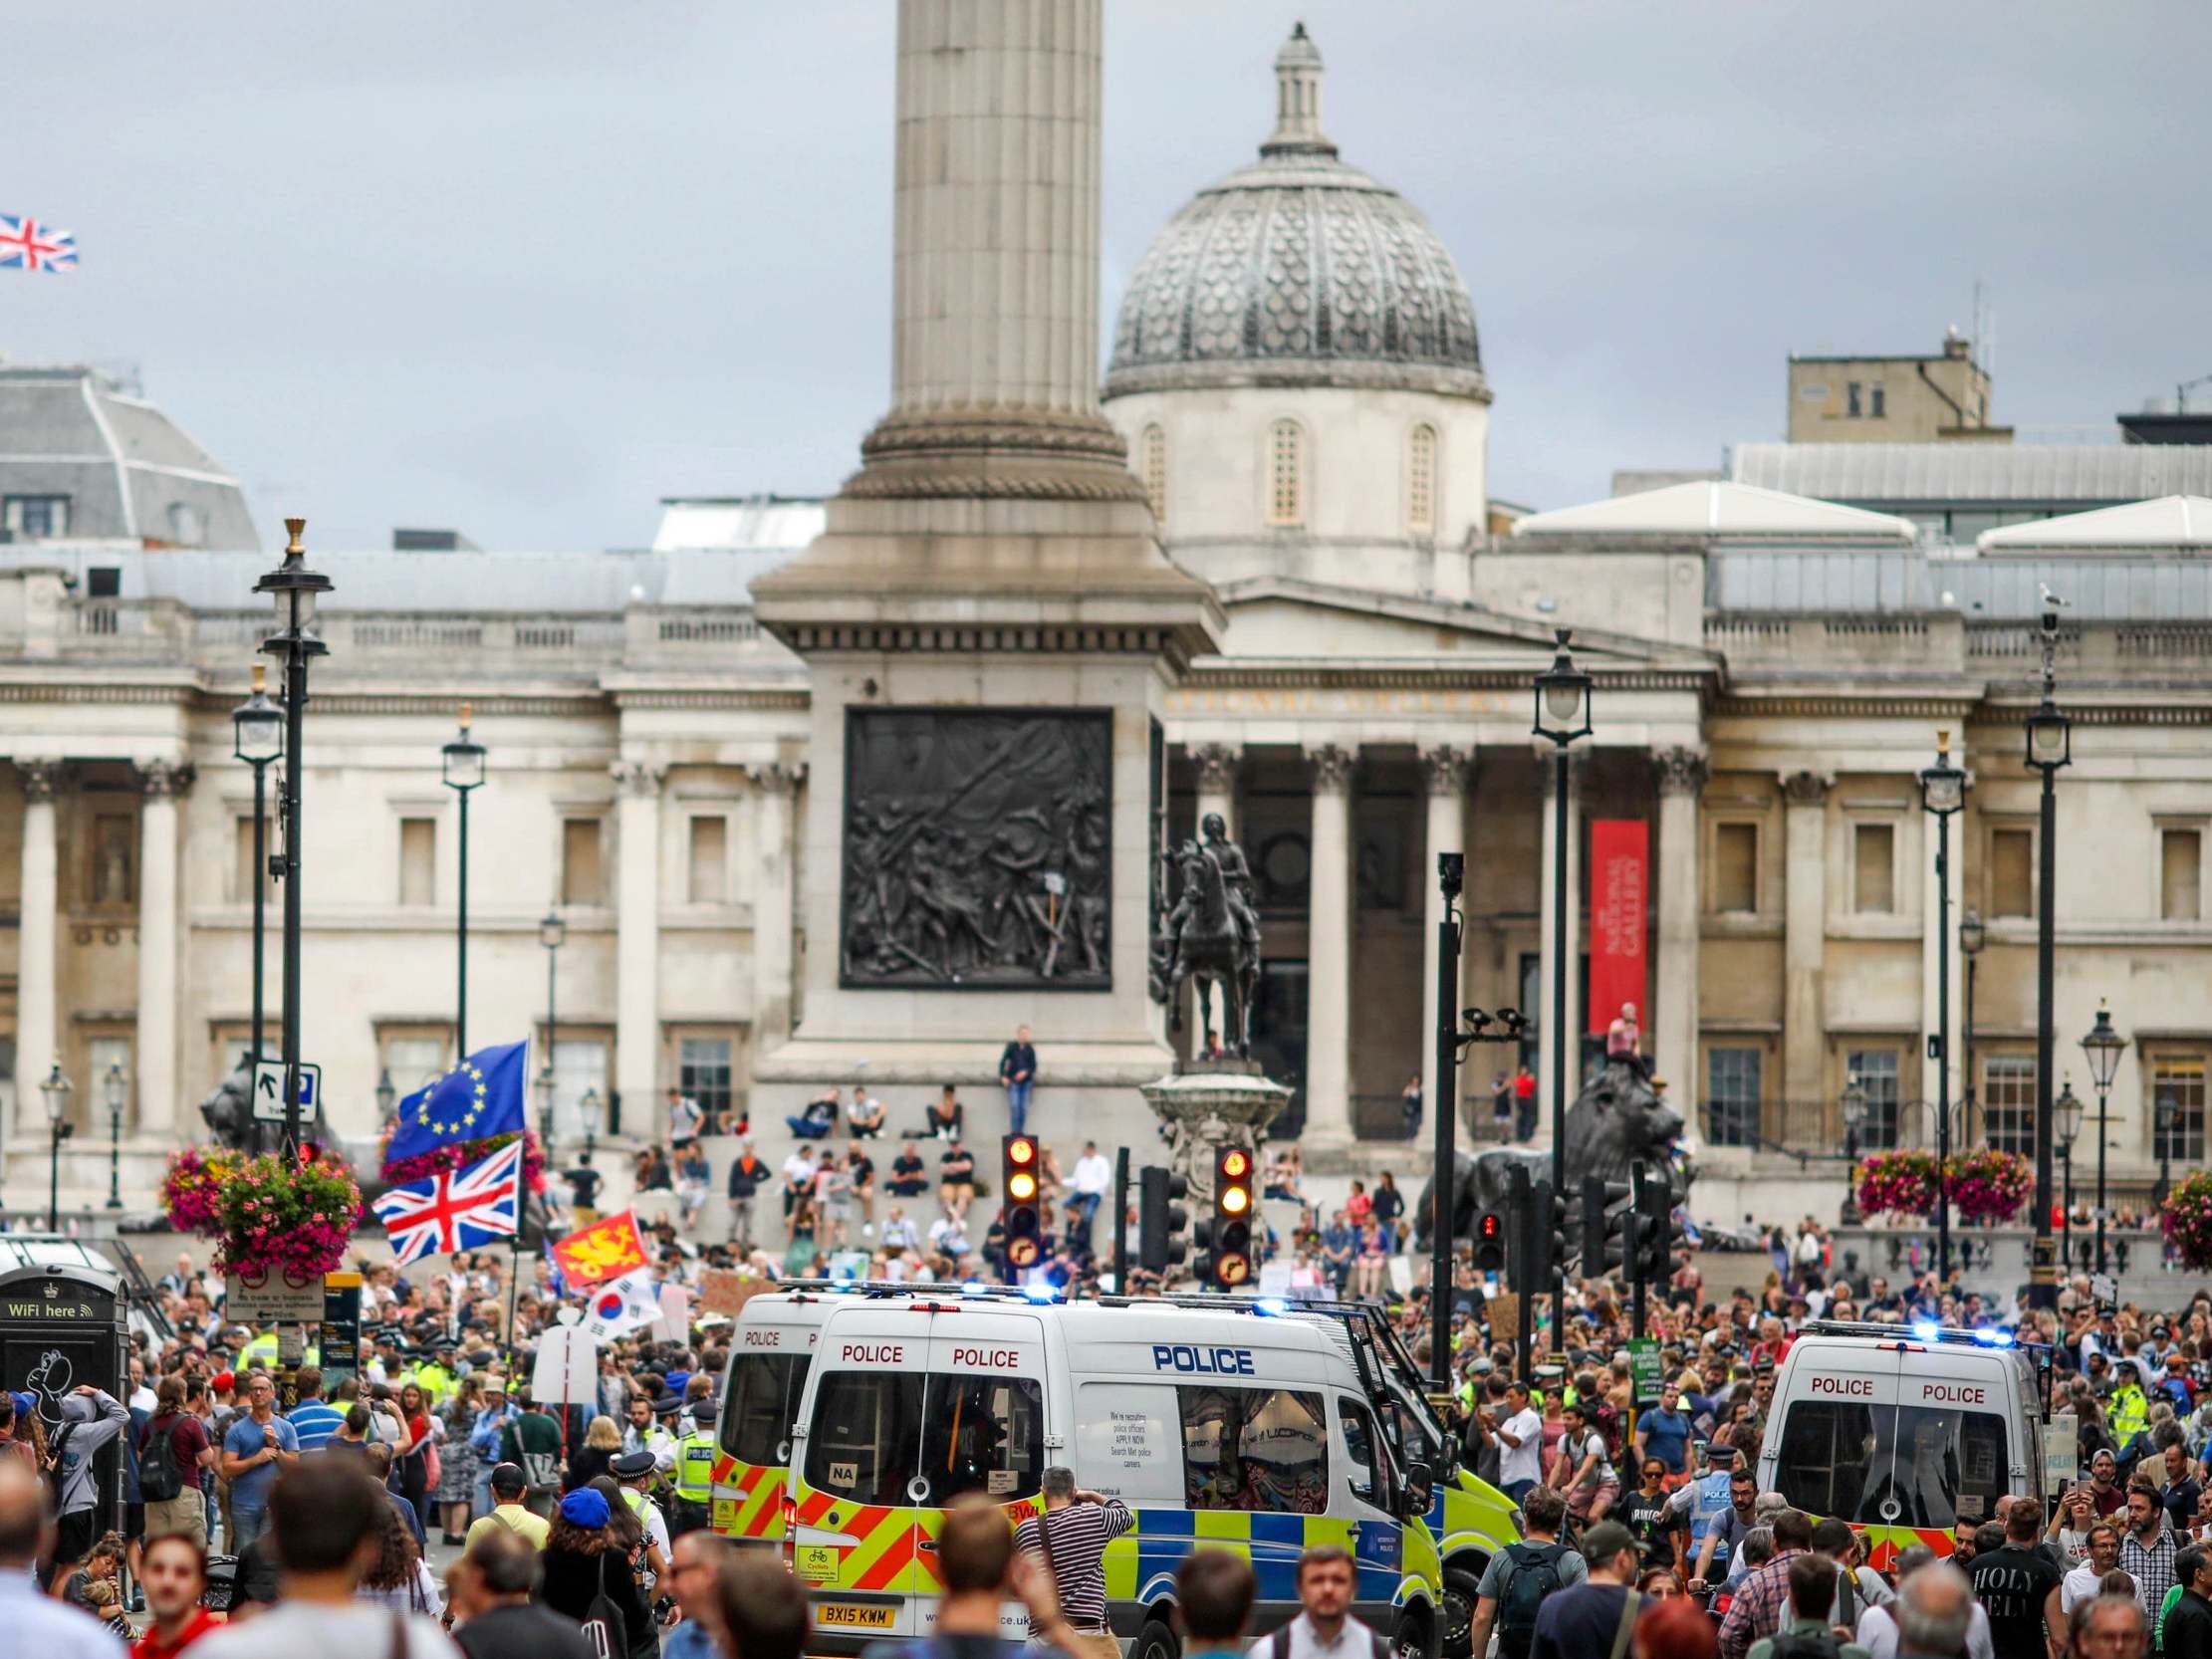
(524, 269)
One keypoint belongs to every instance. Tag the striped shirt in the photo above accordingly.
(1073, 1541)
(314, 1421)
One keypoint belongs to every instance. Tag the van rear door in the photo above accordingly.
(773, 1350)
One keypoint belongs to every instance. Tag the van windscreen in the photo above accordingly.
(1901, 1466)
(763, 1399)
(873, 1432)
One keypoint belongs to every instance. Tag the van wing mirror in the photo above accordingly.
(1420, 1488)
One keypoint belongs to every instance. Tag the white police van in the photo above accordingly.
(1220, 1429)
(1904, 1431)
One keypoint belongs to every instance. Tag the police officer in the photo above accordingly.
(636, 1472)
(692, 1510)
(1706, 1501)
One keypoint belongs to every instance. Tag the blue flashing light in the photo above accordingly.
(974, 1287)
(1991, 1337)
(1040, 1292)
(1928, 1331)
(1274, 1305)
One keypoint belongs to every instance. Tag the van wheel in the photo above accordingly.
(1416, 1634)
(1156, 1641)
(1461, 1590)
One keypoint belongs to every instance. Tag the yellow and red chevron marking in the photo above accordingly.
(747, 1500)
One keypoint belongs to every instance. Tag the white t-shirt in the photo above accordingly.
(1877, 1633)
(2077, 1585)
(290, 1630)
(1523, 1461)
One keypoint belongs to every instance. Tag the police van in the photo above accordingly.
(1247, 1433)
(1904, 1431)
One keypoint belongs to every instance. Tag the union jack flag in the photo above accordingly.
(27, 245)
(455, 1209)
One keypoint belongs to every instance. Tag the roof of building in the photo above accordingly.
(2097, 587)
(1718, 510)
(2173, 521)
(126, 469)
(1936, 473)
(1299, 270)
(736, 522)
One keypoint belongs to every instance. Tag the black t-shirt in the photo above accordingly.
(584, 1187)
(863, 1169)
(908, 1175)
(1647, 1517)
(521, 1632)
(956, 1167)
(2012, 1585)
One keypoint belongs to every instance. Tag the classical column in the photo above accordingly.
(1804, 941)
(1217, 765)
(1328, 951)
(1557, 1022)
(1673, 1023)
(164, 784)
(638, 945)
(772, 915)
(35, 1031)
(1448, 771)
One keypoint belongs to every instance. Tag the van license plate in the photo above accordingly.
(853, 1618)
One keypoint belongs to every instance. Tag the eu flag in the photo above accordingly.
(480, 1098)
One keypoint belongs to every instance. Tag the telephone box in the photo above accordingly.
(63, 1325)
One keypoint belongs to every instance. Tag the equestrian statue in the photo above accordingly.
(1212, 936)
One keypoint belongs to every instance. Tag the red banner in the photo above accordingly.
(1619, 892)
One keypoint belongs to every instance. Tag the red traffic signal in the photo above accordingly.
(1019, 1213)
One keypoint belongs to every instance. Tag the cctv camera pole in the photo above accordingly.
(1450, 876)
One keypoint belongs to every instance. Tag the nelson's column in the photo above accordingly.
(989, 625)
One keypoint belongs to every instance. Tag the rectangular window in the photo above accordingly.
(871, 1435)
(114, 855)
(1873, 869)
(247, 873)
(2177, 1099)
(1369, 1469)
(2180, 874)
(865, 1438)
(2011, 873)
(582, 881)
(763, 1405)
(703, 1074)
(578, 1066)
(1259, 1448)
(419, 861)
(1735, 868)
(2009, 1103)
(710, 860)
(30, 517)
(1850, 394)
(1859, 1462)
(415, 1060)
(1876, 401)
(1732, 1101)
(1874, 1072)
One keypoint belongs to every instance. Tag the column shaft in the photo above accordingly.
(1559, 1023)
(772, 915)
(36, 1047)
(1804, 947)
(1447, 771)
(157, 951)
(1328, 951)
(637, 946)
(1681, 910)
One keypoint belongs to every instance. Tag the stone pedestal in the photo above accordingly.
(1205, 1107)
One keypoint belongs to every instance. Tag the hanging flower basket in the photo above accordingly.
(267, 1215)
(1902, 1182)
(1988, 1185)
(425, 1164)
(2187, 1218)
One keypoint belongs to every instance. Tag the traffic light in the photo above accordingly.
(1233, 1204)
(1490, 1242)
(1654, 1239)
(1019, 1214)
(1605, 1228)
(1547, 1240)
(1160, 1220)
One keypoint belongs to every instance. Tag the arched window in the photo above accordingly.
(1420, 481)
(1152, 465)
(1286, 474)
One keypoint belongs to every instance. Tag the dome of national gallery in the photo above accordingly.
(1299, 270)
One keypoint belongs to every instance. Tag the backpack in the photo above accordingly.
(1823, 1646)
(1535, 1575)
(606, 1632)
(159, 1477)
(57, 1452)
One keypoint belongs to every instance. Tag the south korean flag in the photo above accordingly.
(620, 1305)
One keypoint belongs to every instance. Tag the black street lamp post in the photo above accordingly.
(387, 1098)
(2103, 1046)
(1972, 936)
(553, 933)
(592, 1108)
(115, 1087)
(1854, 1120)
(2050, 746)
(2066, 1115)
(257, 726)
(1942, 794)
(54, 1092)
(1563, 714)
(295, 589)
(464, 773)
